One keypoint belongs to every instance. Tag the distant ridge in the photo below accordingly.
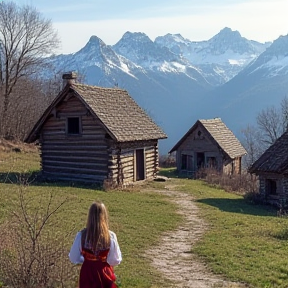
(177, 81)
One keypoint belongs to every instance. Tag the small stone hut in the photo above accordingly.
(272, 170)
(209, 144)
(95, 134)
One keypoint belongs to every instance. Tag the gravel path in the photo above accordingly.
(173, 257)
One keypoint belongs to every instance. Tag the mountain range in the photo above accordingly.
(177, 81)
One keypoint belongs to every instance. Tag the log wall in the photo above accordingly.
(90, 156)
(74, 157)
(122, 161)
(281, 195)
(199, 142)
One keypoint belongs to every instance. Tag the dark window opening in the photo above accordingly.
(184, 162)
(187, 162)
(271, 187)
(200, 160)
(73, 125)
(199, 133)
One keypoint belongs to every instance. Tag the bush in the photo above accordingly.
(167, 161)
(32, 253)
(240, 183)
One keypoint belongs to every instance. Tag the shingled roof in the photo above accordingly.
(221, 134)
(115, 108)
(274, 159)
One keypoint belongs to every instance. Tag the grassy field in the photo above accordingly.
(244, 242)
(138, 218)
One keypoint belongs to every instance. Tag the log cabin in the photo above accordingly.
(208, 144)
(272, 171)
(95, 134)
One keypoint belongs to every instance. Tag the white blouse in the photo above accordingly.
(114, 256)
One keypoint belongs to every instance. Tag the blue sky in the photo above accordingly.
(77, 20)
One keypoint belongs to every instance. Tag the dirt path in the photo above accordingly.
(173, 258)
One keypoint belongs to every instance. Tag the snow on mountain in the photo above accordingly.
(141, 50)
(97, 63)
(171, 77)
(220, 58)
(274, 61)
(261, 84)
(158, 80)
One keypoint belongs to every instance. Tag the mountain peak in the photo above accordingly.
(135, 36)
(94, 40)
(228, 32)
(279, 46)
(277, 50)
(228, 40)
(93, 43)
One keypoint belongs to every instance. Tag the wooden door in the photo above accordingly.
(140, 164)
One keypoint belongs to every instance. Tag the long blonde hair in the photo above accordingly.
(97, 227)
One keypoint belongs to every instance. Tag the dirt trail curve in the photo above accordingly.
(173, 258)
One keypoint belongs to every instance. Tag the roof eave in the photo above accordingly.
(176, 146)
(34, 133)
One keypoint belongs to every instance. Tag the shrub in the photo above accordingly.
(240, 183)
(32, 253)
(167, 161)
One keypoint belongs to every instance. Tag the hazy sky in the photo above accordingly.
(77, 20)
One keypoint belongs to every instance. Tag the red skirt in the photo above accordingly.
(96, 274)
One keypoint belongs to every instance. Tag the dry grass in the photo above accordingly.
(137, 217)
(240, 183)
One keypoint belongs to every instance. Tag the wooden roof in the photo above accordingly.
(123, 119)
(274, 159)
(220, 133)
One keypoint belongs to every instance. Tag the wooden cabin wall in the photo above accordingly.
(122, 161)
(237, 165)
(281, 195)
(74, 157)
(228, 168)
(198, 142)
(121, 166)
(152, 161)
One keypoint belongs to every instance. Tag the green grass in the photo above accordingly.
(137, 217)
(244, 242)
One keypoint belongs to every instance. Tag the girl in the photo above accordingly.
(97, 248)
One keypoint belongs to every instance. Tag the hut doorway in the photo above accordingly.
(200, 160)
(140, 164)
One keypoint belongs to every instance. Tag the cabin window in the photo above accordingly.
(73, 125)
(187, 162)
(271, 186)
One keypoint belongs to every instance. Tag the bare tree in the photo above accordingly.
(284, 108)
(25, 38)
(253, 144)
(33, 254)
(270, 123)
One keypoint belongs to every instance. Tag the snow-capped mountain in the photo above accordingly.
(178, 81)
(274, 61)
(141, 50)
(162, 81)
(263, 83)
(98, 63)
(220, 58)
